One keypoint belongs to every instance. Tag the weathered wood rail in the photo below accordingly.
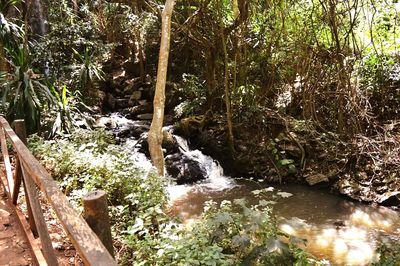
(34, 177)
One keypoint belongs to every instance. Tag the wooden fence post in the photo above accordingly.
(96, 215)
(47, 247)
(20, 130)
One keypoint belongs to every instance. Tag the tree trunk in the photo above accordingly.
(227, 96)
(36, 20)
(140, 56)
(3, 62)
(341, 86)
(75, 5)
(210, 68)
(155, 133)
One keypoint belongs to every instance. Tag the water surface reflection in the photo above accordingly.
(342, 231)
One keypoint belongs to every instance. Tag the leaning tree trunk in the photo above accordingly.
(155, 133)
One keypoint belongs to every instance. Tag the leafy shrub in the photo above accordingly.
(69, 32)
(90, 160)
(389, 255)
(380, 81)
(24, 92)
(193, 95)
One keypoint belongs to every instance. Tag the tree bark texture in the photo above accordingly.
(3, 62)
(210, 67)
(227, 97)
(36, 20)
(155, 133)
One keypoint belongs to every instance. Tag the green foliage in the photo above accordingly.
(279, 157)
(380, 78)
(11, 32)
(87, 72)
(389, 255)
(91, 160)
(4, 5)
(24, 93)
(82, 163)
(193, 96)
(63, 119)
(227, 234)
(67, 112)
(69, 32)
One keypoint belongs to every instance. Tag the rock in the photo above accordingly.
(291, 149)
(110, 101)
(132, 112)
(184, 169)
(105, 122)
(391, 198)
(145, 116)
(121, 103)
(127, 128)
(147, 93)
(118, 92)
(128, 89)
(132, 68)
(139, 128)
(136, 96)
(117, 74)
(169, 142)
(317, 179)
(339, 223)
(143, 102)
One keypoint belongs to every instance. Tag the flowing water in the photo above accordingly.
(342, 231)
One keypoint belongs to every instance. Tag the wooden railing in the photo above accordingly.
(32, 174)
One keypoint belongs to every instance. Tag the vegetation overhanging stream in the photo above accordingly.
(300, 93)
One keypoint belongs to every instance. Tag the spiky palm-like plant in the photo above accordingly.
(23, 93)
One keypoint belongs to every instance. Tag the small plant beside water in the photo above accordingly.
(389, 255)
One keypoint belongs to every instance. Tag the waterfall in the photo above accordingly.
(214, 178)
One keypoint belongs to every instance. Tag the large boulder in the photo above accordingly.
(390, 198)
(185, 169)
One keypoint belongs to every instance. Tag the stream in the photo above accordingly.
(337, 229)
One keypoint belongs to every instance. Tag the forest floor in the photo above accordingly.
(13, 248)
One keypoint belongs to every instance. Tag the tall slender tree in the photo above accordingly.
(155, 133)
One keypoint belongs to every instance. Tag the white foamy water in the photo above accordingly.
(215, 178)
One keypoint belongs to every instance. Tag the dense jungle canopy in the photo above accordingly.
(284, 91)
